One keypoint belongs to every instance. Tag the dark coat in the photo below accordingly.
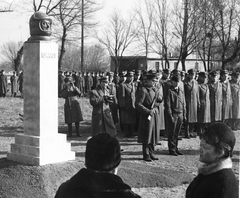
(90, 184)
(215, 180)
(148, 130)
(14, 84)
(102, 121)
(127, 94)
(72, 109)
(60, 83)
(235, 90)
(204, 109)
(227, 101)
(3, 84)
(192, 100)
(216, 101)
(114, 105)
(88, 83)
(20, 82)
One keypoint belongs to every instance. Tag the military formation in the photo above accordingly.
(150, 104)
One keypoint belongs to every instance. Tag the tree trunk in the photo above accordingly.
(62, 49)
(17, 60)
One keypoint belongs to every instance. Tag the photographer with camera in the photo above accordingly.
(72, 109)
(100, 98)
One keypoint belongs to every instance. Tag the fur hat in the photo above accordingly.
(102, 152)
(220, 136)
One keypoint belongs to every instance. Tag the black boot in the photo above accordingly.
(77, 129)
(70, 130)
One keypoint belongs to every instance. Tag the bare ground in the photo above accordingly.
(167, 177)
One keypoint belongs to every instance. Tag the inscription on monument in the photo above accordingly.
(49, 55)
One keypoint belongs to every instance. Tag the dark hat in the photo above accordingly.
(176, 78)
(102, 152)
(166, 71)
(122, 73)
(213, 73)
(235, 74)
(223, 72)
(110, 73)
(138, 72)
(191, 71)
(203, 74)
(68, 79)
(175, 72)
(151, 74)
(183, 73)
(104, 79)
(220, 136)
(130, 73)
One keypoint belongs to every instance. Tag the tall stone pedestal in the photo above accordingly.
(40, 143)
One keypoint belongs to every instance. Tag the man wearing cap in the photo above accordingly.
(176, 112)
(204, 113)
(235, 90)
(147, 103)
(99, 179)
(226, 96)
(192, 102)
(215, 177)
(215, 88)
(127, 94)
(72, 109)
(100, 98)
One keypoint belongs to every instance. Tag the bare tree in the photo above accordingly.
(118, 36)
(188, 28)
(144, 13)
(9, 51)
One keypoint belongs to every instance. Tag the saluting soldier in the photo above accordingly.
(215, 88)
(192, 102)
(204, 113)
(127, 97)
(147, 103)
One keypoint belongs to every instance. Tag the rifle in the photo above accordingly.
(153, 104)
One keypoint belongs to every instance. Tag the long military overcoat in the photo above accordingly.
(126, 101)
(216, 101)
(159, 87)
(235, 89)
(72, 109)
(3, 84)
(14, 84)
(204, 115)
(227, 101)
(102, 121)
(192, 100)
(148, 130)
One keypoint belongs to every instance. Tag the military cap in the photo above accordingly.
(130, 73)
(183, 73)
(166, 71)
(213, 73)
(203, 74)
(104, 79)
(122, 74)
(138, 72)
(191, 71)
(175, 72)
(223, 72)
(110, 73)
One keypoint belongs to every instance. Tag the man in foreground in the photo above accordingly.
(98, 179)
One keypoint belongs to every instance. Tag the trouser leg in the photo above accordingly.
(77, 128)
(179, 121)
(171, 136)
(146, 152)
(70, 130)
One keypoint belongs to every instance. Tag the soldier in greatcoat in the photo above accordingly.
(226, 96)
(72, 109)
(215, 88)
(204, 113)
(88, 83)
(235, 90)
(100, 98)
(192, 103)
(176, 113)
(3, 84)
(14, 84)
(147, 103)
(81, 81)
(127, 97)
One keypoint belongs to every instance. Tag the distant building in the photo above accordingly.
(141, 63)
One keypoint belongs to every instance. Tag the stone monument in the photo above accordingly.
(40, 143)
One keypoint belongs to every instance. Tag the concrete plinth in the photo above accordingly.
(40, 144)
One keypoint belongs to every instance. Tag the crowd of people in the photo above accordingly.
(16, 84)
(158, 103)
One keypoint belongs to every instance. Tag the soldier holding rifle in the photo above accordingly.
(147, 104)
